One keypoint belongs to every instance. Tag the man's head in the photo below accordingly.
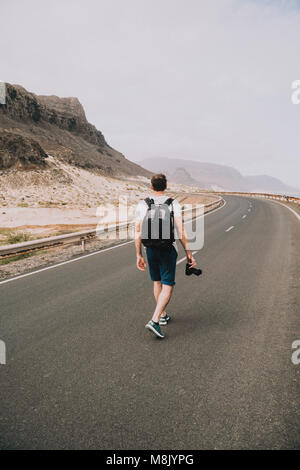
(158, 182)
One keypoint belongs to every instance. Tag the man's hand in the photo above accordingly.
(190, 259)
(183, 239)
(141, 263)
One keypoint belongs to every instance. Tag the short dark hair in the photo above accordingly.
(159, 182)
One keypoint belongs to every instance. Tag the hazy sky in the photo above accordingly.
(193, 79)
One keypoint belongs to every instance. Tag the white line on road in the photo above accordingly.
(244, 216)
(65, 262)
(184, 258)
(194, 252)
(292, 210)
(95, 253)
(230, 228)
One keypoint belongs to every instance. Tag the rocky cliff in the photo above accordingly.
(20, 152)
(33, 126)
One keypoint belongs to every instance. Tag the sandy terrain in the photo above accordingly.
(64, 198)
(15, 265)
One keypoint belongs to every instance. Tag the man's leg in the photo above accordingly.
(156, 292)
(164, 280)
(156, 289)
(162, 301)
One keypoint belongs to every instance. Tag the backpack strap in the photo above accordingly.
(149, 202)
(169, 201)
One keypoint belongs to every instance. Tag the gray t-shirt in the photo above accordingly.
(142, 208)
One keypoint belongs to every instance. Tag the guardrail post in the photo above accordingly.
(83, 245)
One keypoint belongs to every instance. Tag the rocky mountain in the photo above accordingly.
(215, 177)
(32, 127)
(181, 176)
(268, 184)
(18, 150)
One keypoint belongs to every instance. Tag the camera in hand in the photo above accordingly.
(189, 271)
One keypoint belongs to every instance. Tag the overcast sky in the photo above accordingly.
(193, 79)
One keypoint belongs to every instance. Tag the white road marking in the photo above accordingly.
(184, 258)
(244, 216)
(249, 210)
(95, 253)
(215, 210)
(287, 207)
(64, 262)
(180, 260)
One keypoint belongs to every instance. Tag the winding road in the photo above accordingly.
(82, 372)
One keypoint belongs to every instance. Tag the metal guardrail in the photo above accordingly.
(83, 236)
(279, 197)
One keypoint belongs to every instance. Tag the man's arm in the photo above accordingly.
(140, 261)
(184, 242)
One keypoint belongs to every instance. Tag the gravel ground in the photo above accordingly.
(47, 257)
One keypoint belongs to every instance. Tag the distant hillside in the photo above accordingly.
(215, 177)
(265, 183)
(32, 126)
(181, 176)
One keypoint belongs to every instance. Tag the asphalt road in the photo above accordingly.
(83, 372)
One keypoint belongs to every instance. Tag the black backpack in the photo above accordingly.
(158, 225)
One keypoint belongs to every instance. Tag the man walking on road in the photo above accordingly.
(161, 255)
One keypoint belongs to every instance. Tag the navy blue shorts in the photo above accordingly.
(162, 264)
